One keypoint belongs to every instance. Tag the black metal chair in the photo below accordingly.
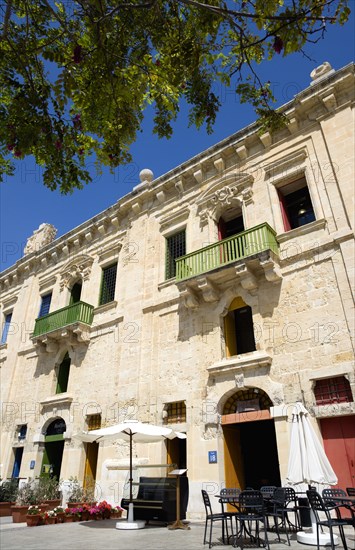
(211, 518)
(293, 506)
(319, 506)
(279, 512)
(267, 491)
(251, 511)
(350, 491)
(229, 495)
(330, 494)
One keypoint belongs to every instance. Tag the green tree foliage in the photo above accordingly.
(76, 75)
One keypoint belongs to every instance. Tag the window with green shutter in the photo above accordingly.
(63, 375)
(175, 247)
(108, 284)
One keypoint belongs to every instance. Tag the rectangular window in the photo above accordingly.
(6, 327)
(63, 375)
(108, 284)
(93, 421)
(45, 305)
(21, 432)
(175, 247)
(332, 390)
(175, 412)
(296, 205)
(239, 331)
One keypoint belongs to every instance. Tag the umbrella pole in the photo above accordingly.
(130, 468)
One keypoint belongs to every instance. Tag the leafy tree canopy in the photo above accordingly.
(76, 75)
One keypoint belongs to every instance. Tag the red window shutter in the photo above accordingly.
(221, 229)
(286, 221)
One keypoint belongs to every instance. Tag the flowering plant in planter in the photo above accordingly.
(95, 512)
(51, 514)
(58, 510)
(105, 509)
(116, 511)
(76, 512)
(33, 511)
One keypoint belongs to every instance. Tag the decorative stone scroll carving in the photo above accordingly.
(42, 236)
(190, 299)
(209, 291)
(229, 192)
(247, 279)
(80, 268)
(271, 270)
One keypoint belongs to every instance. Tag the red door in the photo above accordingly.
(339, 444)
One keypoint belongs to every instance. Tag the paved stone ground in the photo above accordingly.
(102, 535)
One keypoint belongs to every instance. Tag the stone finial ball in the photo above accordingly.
(146, 175)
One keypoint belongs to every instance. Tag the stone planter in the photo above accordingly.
(61, 517)
(85, 515)
(116, 515)
(19, 514)
(5, 509)
(68, 519)
(51, 520)
(33, 520)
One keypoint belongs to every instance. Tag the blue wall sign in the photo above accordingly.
(212, 457)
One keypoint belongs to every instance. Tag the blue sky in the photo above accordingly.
(26, 203)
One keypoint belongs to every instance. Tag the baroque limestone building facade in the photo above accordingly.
(256, 313)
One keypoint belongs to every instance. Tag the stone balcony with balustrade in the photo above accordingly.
(244, 257)
(71, 323)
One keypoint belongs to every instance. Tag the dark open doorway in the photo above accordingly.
(251, 458)
(53, 449)
(176, 452)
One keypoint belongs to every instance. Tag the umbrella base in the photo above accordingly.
(128, 525)
(311, 538)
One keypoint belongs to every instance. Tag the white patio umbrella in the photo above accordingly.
(130, 430)
(308, 464)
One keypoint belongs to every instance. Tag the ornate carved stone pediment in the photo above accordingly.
(79, 268)
(232, 190)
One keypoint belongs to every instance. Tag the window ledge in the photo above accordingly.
(334, 409)
(303, 230)
(166, 283)
(240, 362)
(59, 399)
(105, 307)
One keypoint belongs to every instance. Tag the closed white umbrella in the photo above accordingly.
(308, 462)
(130, 430)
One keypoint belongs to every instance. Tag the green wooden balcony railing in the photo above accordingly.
(249, 242)
(78, 312)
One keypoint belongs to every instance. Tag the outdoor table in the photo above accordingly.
(234, 501)
(229, 499)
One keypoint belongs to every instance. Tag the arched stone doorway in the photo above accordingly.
(250, 448)
(53, 448)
